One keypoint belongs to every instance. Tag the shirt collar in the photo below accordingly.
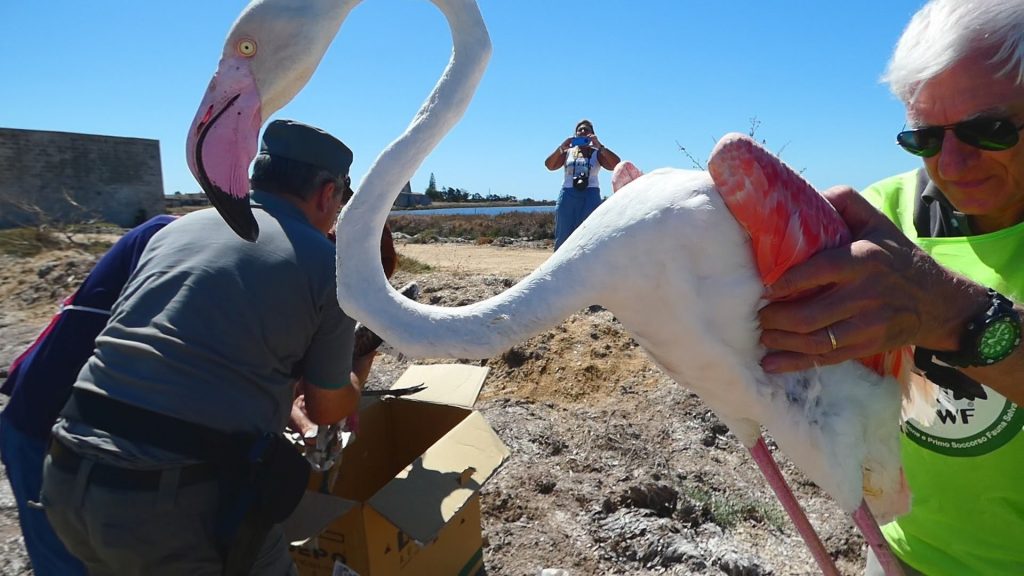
(277, 206)
(957, 221)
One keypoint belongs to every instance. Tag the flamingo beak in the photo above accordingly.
(222, 143)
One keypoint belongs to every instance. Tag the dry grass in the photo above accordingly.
(24, 242)
(482, 228)
(31, 240)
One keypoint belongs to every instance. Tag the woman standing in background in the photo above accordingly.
(581, 156)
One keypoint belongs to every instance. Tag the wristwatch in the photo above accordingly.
(988, 338)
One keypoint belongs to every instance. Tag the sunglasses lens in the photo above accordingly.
(988, 134)
(924, 142)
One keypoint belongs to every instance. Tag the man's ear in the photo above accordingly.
(325, 196)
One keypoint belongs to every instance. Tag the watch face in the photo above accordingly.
(999, 340)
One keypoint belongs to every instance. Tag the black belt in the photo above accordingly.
(69, 461)
(168, 433)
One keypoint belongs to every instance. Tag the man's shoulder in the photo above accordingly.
(305, 240)
(156, 222)
(143, 232)
(317, 252)
(894, 185)
(889, 192)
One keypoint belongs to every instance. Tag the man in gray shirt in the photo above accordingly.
(213, 331)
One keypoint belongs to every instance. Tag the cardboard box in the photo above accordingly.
(406, 500)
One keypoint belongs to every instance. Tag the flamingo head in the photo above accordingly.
(269, 55)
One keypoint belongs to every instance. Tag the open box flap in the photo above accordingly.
(315, 512)
(424, 496)
(450, 384)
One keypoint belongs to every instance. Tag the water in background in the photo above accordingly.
(477, 210)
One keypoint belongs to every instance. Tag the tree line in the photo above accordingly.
(450, 194)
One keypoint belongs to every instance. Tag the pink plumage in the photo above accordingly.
(787, 219)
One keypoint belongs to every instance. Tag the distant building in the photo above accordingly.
(179, 200)
(408, 199)
(65, 177)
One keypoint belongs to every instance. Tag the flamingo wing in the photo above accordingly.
(787, 219)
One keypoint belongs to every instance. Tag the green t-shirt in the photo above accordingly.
(966, 470)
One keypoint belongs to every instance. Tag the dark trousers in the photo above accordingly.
(22, 455)
(167, 530)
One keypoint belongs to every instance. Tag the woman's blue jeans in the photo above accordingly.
(572, 209)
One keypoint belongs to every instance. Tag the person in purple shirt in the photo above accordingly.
(39, 383)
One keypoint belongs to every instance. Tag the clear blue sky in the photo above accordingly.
(650, 74)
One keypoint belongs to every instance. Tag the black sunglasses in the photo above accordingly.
(983, 133)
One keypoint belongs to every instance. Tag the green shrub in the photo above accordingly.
(728, 510)
(411, 265)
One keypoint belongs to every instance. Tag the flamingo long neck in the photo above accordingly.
(480, 330)
(443, 108)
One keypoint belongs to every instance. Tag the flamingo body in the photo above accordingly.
(666, 256)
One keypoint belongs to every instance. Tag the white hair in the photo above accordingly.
(944, 32)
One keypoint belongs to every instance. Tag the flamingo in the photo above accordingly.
(701, 287)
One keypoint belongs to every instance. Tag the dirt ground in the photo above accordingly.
(511, 261)
(615, 469)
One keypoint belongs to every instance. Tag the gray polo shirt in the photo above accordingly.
(215, 330)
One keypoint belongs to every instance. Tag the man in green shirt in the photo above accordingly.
(940, 267)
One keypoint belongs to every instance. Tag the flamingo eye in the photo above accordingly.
(247, 48)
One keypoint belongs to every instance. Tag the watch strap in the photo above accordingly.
(1000, 308)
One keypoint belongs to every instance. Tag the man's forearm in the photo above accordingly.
(361, 369)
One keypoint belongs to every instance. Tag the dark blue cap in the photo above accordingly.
(305, 143)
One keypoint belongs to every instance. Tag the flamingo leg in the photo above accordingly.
(867, 525)
(771, 472)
